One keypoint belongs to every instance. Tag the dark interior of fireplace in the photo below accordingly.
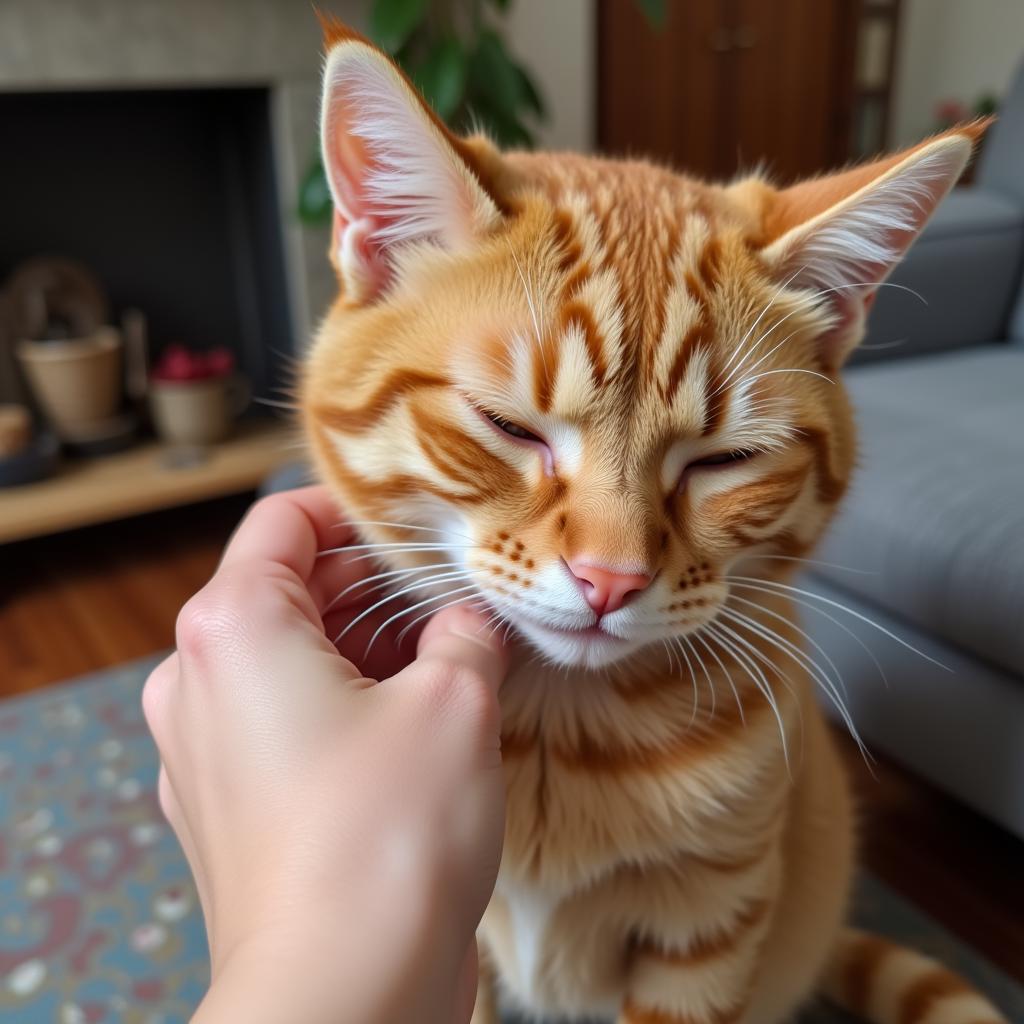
(169, 197)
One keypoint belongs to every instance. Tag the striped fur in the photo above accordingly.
(679, 833)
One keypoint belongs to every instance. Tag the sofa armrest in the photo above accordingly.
(966, 266)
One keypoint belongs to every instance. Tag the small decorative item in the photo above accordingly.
(76, 381)
(951, 111)
(56, 315)
(194, 396)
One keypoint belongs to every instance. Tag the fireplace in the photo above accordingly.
(171, 198)
(162, 145)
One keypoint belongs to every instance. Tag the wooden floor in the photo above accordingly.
(92, 598)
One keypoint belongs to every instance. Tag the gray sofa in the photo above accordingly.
(935, 516)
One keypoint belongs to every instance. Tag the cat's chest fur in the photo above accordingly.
(599, 774)
(605, 786)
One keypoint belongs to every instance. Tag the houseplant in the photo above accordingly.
(456, 54)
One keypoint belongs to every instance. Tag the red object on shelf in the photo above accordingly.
(180, 363)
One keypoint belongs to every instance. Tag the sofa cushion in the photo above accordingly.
(966, 266)
(936, 509)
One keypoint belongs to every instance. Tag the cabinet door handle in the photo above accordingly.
(720, 41)
(745, 37)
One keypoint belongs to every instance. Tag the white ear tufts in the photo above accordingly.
(413, 186)
(859, 240)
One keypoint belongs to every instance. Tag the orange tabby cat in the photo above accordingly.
(601, 398)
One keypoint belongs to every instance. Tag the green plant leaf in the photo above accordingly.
(511, 132)
(506, 129)
(315, 202)
(655, 11)
(987, 104)
(442, 76)
(502, 5)
(529, 91)
(494, 80)
(393, 21)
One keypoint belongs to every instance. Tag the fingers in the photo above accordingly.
(302, 531)
(288, 529)
(155, 694)
(461, 637)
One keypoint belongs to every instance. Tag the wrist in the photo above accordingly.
(352, 969)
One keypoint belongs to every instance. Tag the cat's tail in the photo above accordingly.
(885, 983)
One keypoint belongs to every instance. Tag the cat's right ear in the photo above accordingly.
(395, 171)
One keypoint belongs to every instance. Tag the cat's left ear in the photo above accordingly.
(841, 235)
(396, 174)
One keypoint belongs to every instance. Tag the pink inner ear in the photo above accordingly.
(349, 166)
(359, 257)
(849, 307)
(348, 162)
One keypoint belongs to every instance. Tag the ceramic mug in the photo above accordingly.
(197, 411)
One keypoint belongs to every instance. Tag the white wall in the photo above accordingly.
(952, 49)
(557, 41)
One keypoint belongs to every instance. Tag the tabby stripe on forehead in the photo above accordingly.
(710, 263)
(696, 339)
(565, 239)
(575, 281)
(395, 386)
(545, 371)
(703, 279)
(716, 400)
(578, 314)
(670, 244)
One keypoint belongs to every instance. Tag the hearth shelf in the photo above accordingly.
(143, 479)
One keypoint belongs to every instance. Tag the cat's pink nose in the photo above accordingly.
(605, 590)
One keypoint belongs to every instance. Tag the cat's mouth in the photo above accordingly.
(595, 632)
(587, 646)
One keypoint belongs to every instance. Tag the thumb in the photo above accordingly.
(461, 636)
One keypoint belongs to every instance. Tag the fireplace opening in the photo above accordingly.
(170, 197)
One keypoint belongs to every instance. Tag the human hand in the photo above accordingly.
(344, 834)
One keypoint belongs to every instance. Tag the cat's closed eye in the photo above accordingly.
(512, 429)
(725, 458)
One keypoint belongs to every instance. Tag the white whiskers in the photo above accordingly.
(786, 588)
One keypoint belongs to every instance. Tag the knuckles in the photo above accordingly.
(458, 696)
(241, 601)
(204, 623)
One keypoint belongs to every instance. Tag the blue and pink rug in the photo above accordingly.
(99, 920)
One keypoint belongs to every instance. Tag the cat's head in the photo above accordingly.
(589, 388)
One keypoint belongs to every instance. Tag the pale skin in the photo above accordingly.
(343, 824)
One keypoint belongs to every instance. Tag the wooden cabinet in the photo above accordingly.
(728, 85)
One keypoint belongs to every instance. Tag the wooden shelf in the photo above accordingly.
(142, 479)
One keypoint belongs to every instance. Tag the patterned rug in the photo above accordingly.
(98, 916)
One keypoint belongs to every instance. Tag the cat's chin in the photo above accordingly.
(587, 648)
